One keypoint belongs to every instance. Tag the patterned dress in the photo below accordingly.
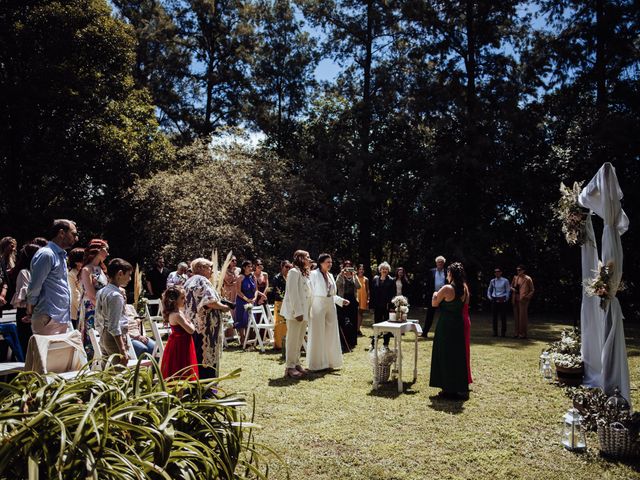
(206, 338)
(88, 308)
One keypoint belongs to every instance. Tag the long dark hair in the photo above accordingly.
(458, 278)
(298, 261)
(24, 260)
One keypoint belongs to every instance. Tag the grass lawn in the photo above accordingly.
(333, 426)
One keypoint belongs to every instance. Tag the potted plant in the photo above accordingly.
(567, 358)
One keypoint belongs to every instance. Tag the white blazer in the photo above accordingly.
(297, 296)
(319, 287)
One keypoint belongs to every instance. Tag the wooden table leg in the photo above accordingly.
(398, 337)
(375, 357)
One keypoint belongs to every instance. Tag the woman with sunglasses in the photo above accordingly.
(522, 292)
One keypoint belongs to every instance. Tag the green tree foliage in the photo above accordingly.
(162, 59)
(221, 37)
(75, 132)
(282, 74)
(228, 197)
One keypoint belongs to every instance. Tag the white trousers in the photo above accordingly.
(295, 336)
(324, 337)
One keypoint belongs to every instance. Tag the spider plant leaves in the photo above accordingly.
(126, 424)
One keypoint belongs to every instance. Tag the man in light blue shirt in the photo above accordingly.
(498, 294)
(48, 295)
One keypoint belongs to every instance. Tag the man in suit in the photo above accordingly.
(436, 279)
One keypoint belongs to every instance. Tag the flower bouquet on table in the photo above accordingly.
(572, 216)
(401, 304)
(386, 358)
(599, 285)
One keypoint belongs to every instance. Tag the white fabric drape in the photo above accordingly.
(591, 315)
(602, 196)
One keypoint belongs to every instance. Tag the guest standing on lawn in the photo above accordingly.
(522, 289)
(93, 279)
(279, 288)
(382, 291)
(8, 252)
(448, 358)
(74, 262)
(296, 309)
(48, 297)
(179, 353)
(324, 337)
(202, 308)
(498, 294)
(436, 278)
(246, 294)
(179, 276)
(363, 297)
(157, 278)
(262, 281)
(348, 286)
(19, 301)
(110, 319)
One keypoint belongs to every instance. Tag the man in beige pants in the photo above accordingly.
(48, 295)
(522, 291)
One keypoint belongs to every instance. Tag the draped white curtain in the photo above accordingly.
(602, 196)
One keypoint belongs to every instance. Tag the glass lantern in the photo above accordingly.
(573, 436)
(545, 366)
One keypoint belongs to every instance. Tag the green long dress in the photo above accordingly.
(449, 357)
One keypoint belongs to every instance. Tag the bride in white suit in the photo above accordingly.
(324, 337)
(296, 309)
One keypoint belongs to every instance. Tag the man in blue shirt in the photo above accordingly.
(436, 279)
(498, 294)
(48, 295)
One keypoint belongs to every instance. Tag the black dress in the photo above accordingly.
(348, 318)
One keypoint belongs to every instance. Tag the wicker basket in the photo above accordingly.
(616, 441)
(381, 375)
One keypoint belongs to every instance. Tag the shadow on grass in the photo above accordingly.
(309, 377)
(448, 405)
(390, 390)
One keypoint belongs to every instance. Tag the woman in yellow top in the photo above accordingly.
(363, 297)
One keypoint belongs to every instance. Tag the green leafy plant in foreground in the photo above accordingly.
(126, 424)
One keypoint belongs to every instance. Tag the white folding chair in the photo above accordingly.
(158, 351)
(258, 326)
(98, 355)
(158, 303)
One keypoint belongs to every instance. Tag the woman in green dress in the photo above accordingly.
(448, 358)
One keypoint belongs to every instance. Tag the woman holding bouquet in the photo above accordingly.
(324, 337)
(246, 296)
(449, 357)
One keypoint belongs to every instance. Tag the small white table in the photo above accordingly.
(397, 329)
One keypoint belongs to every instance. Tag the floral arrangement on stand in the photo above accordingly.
(139, 300)
(402, 307)
(566, 351)
(599, 285)
(572, 216)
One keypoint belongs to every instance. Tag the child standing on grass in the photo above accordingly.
(110, 319)
(180, 354)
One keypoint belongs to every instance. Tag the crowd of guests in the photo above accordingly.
(54, 291)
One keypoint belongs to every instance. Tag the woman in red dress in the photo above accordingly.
(467, 330)
(179, 359)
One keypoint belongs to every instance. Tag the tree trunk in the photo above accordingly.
(365, 210)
